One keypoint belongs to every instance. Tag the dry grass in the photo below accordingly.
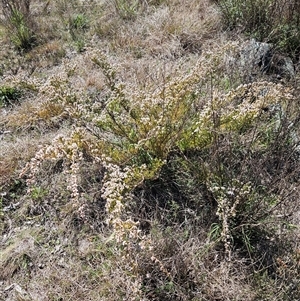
(55, 246)
(168, 31)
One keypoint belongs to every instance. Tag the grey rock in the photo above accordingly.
(257, 57)
(256, 54)
(282, 66)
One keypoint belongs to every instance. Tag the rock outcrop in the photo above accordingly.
(258, 57)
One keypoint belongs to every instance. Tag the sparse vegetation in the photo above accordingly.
(270, 21)
(142, 162)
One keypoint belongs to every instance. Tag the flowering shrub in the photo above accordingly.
(131, 133)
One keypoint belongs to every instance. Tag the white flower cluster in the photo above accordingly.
(60, 148)
(116, 191)
(75, 156)
(48, 152)
(228, 198)
(240, 106)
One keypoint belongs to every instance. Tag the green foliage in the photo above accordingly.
(19, 23)
(79, 44)
(38, 193)
(252, 14)
(215, 231)
(142, 127)
(156, 2)
(78, 22)
(272, 21)
(22, 36)
(77, 25)
(127, 9)
(9, 95)
(148, 127)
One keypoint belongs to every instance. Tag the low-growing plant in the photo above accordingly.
(9, 95)
(78, 22)
(38, 193)
(77, 26)
(19, 23)
(156, 2)
(127, 9)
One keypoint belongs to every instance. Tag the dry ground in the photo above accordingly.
(49, 250)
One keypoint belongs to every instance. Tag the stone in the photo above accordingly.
(256, 54)
(282, 66)
(261, 57)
